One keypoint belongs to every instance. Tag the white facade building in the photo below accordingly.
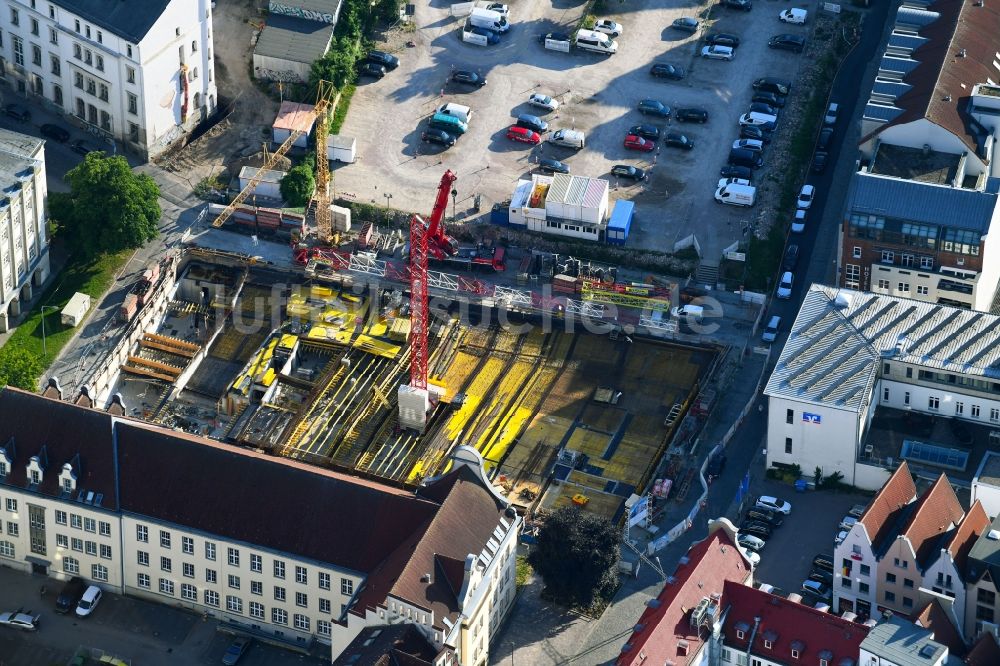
(24, 243)
(178, 519)
(850, 352)
(141, 76)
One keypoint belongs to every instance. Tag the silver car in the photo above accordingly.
(20, 619)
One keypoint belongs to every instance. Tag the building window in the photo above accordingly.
(133, 104)
(908, 582)
(88, 56)
(959, 407)
(143, 581)
(77, 544)
(922, 290)
(167, 586)
(77, 51)
(984, 614)
(890, 578)
(234, 582)
(885, 393)
(301, 575)
(933, 403)
(36, 55)
(907, 602)
(887, 256)
(103, 92)
(927, 263)
(845, 583)
(865, 570)
(256, 610)
(890, 597)
(71, 565)
(130, 74)
(99, 572)
(234, 604)
(100, 63)
(301, 599)
(279, 616)
(209, 551)
(189, 592)
(15, 18)
(279, 569)
(18, 50)
(994, 414)
(89, 525)
(211, 598)
(188, 569)
(211, 576)
(77, 26)
(133, 132)
(6, 549)
(105, 528)
(78, 80)
(166, 564)
(789, 416)
(53, 36)
(234, 557)
(906, 398)
(12, 506)
(324, 581)
(904, 287)
(256, 563)
(788, 445)
(164, 539)
(91, 548)
(301, 622)
(105, 551)
(128, 50)
(739, 634)
(986, 597)
(347, 587)
(100, 37)
(279, 593)
(62, 541)
(323, 627)
(194, 47)
(324, 606)
(60, 517)
(975, 411)
(257, 587)
(187, 545)
(142, 558)
(13, 530)
(91, 86)
(856, 253)
(883, 284)
(853, 272)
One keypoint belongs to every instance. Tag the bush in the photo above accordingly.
(297, 186)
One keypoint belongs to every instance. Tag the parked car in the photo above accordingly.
(816, 589)
(628, 171)
(824, 562)
(806, 196)
(691, 115)
(772, 84)
(645, 131)
(533, 123)
(735, 171)
(770, 333)
(633, 142)
(825, 136)
(819, 161)
(654, 108)
(235, 650)
(819, 576)
(791, 257)
(718, 52)
(82, 147)
(786, 42)
(760, 107)
(523, 135)
(756, 528)
(716, 464)
(677, 140)
(371, 69)
(609, 28)
(664, 70)
(755, 145)
(754, 132)
(499, 8)
(769, 98)
(731, 181)
(857, 510)
(468, 78)
(685, 24)
(387, 60)
(543, 102)
(20, 619)
(89, 600)
(17, 112)
(775, 504)
(547, 165)
(799, 220)
(722, 39)
(750, 542)
(70, 594)
(847, 522)
(55, 132)
(761, 120)
(438, 136)
(745, 5)
(830, 118)
(764, 516)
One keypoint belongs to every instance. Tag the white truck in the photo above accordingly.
(485, 18)
(796, 16)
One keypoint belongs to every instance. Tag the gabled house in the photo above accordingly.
(982, 610)
(936, 618)
(895, 641)
(986, 652)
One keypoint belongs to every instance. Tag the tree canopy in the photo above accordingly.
(108, 208)
(577, 556)
(297, 186)
(19, 367)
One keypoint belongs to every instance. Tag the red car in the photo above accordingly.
(524, 135)
(633, 142)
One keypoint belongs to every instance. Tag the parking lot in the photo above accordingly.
(810, 530)
(598, 95)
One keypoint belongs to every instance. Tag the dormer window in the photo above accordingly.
(67, 479)
(767, 644)
(795, 654)
(36, 477)
(67, 486)
(35, 471)
(740, 634)
(3, 468)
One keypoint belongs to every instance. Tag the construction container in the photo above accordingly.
(565, 284)
(341, 148)
(292, 117)
(341, 218)
(76, 309)
(620, 223)
(269, 186)
(577, 198)
(129, 307)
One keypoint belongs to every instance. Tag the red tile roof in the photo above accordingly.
(787, 625)
(973, 524)
(935, 618)
(937, 512)
(663, 625)
(897, 492)
(985, 652)
(942, 83)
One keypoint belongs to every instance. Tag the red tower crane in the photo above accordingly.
(426, 240)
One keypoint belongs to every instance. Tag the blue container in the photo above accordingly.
(620, 223)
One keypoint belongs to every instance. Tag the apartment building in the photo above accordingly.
(921, 216)
(142, 77)
(270, 547)
(868, 380)
(982, 606)
(24, 241)
(895, 641)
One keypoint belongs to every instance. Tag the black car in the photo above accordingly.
(387, 60)
(760, 107)
(791, 258)
(747, 158)
(55, 132)
(734, 171)
(628, 171)
(662, 70)
(468, 78)
(372, 69)
(715, 465)
(792, 43)
(823, 562)
(825, 135)
(756, 528)
(17, 112)
(686, 24)
(433, 135)
(772, 84)
(534, 123)
(754, 132)
(777, 101)
(70, 594)
(821, 576)
(556, 36)
(645, 131)
(82, 147)
(819, 161)
(552, 166)
(676, 140)
(722, 39)
(769, 518)
(692, 115)
(745, 5)
(654, 107)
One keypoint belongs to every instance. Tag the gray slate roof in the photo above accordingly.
(130, 20)
(921, 202)
(294, 39)
(903, 643)
(832, 354)
(16, 155)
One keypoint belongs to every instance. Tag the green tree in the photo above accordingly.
(339, 65)
(20, 368)
(297, 186)
(577, 556)
(108, 208)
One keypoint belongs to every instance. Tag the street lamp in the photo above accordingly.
(387, 198)
(44, 348)
(454, 203)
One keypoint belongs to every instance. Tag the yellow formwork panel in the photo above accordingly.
(320, 293)
(500, 442)
(588, 442)
(368, 344)
(458, 371)
(330, 334)
(457, 422)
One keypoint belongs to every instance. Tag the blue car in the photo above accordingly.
(534, 123)
(654, 108)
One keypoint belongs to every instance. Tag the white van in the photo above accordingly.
(567, 138)
(598, 42)
(88, 602)
(485, 18)
(694, 311)
(796, 16)
(736, 195)
(463, 113)
(757, 119)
